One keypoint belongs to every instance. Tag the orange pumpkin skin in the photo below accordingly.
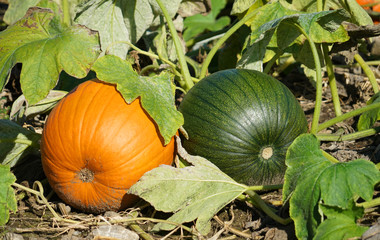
(95, 146)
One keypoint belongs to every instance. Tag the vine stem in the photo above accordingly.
(256, 200)
(348, 115)
(188, 83)
(348, 137)
(66, 12)
(329, 157)
(220, 42)
(42, 198)
(265, 187)
(318, 77)
(373, 203)
(332, 80)
(17, 140)
(272, 61)
(367, 70)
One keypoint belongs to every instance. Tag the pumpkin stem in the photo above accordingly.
(86, 175)
(267, 153)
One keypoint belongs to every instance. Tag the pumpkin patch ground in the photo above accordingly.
(171, 119)
(238, 220)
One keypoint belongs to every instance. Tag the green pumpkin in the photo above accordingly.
(243, 121)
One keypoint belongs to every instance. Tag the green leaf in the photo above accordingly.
(17, 9)
(16, 142)
(8, 200)
(274, 19)
(193, 192)
(198, 23)
(156, 92)
(352, 212)
(241, 6)
(339, 228)
(341, 224)
(312, 179)
(358, 15)
(122, 20)
(45, 48)
(368, 119)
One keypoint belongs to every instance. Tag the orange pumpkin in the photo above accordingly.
(375, 7)
(95, 146)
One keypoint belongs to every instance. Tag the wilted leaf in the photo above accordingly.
(20, 107)
(311, 179)
(194, 192)
(45, 48)
(122, 20)
(8, 200)
(15, 142)
(156, 92)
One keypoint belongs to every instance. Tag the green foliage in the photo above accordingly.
(312, 180)
(120, 21)
(45, 47)
(8, 200)
(17, 9)
(54, 52)
(340, 223)
(368, 119)
(16, 142)
(158, 103)
(241, 6)
(274, 21)
(197, 192)
(198, 23)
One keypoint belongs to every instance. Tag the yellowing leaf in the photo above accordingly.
(194, 192)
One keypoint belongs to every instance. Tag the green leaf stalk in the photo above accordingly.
(187, 82)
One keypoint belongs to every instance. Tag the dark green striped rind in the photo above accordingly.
(232, 115)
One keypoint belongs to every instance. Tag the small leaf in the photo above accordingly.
(368, 119)
(45, 48)
(339, 228)
(193, 192)
(16, 142)
(198, 23)
(8, 200)
(312, 179)
(341, 224)
(157, 95)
